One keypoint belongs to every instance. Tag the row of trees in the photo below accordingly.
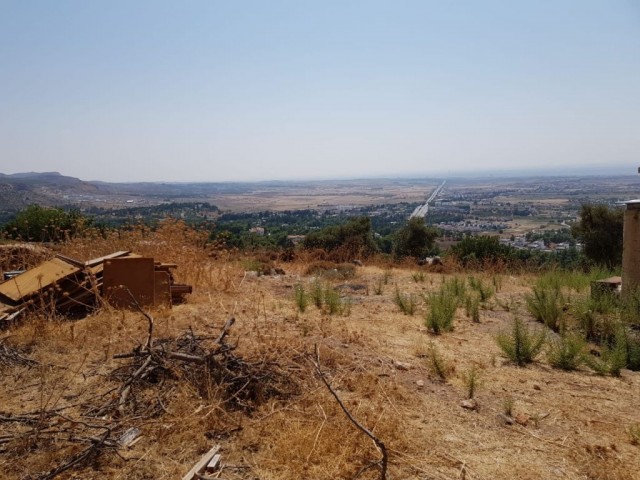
(599, 230)
(355, 238)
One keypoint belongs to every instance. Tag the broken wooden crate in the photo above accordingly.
(68, 286)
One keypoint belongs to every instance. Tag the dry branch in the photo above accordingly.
(385, 457)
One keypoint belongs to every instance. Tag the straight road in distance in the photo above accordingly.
(423, 210)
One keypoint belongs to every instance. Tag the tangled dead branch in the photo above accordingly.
(210, 364)
(10, 355)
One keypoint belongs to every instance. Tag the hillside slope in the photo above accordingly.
(277, 420)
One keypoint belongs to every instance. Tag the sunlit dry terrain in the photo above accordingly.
(62, 386)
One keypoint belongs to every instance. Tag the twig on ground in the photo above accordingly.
(385, 457)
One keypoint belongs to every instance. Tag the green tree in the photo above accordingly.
(481, 249)
(43, 224)
(415, 239)
(600, 230)
(346, 241)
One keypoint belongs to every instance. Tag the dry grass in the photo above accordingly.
(575, 425)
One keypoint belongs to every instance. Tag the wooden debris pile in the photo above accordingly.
(66, 286)
(84, 433)
(209, 364)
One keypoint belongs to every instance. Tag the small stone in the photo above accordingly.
(420, 383)
(401, 365)
(505, 418)
(536, 386)
(522, 419)
(469, 404)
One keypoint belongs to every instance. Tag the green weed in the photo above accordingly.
(438, 364)
(567, 352)
(521, 345)
(441, 312)
(471, 380)
(484, 291)
(301, 298)
(546, 306)
(332, 301)
(406, 303)
(418, 277)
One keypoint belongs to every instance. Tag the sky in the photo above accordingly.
(242, 90)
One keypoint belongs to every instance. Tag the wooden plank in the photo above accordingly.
(99, 260)
(72, 261)
(36, 279)
(200, 466)
(162, 289)
(213, 463)
(129, 274)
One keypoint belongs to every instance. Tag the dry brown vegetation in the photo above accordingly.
(57, 376)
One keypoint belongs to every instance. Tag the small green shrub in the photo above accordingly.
(484, 291)
(471, 380)
(472, 308)
(567, 352)
(611, 361)
(332, 301)
(438, 364)
(628, 341)
(546, 306)
(317, 294)
(456, 287)
(406, 303)
(630, 307)
(521, 345)
(597, 317)
(441, 312)
(418, 277)
(301, 297)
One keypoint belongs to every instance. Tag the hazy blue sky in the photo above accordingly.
(246, 90)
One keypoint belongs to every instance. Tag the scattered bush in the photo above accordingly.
(455, 286)
(301, 297)
(611, 361)
(438, 364)
(471, 380)
(418, 277)
(521, 346)
(597, 317)
(441, 313)
(333, 301)
(566, 352)
(473, 309)
(317, 294)
(484, 291)
(406, 303)
(546, 306)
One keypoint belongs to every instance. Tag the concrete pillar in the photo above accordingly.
(631, 248)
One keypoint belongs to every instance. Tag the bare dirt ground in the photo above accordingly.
(567, 425)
